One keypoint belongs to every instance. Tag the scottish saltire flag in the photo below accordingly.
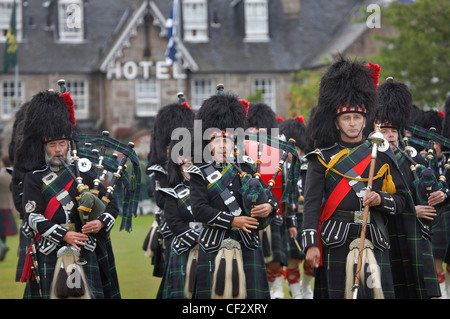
(171, 28)
(11, 46)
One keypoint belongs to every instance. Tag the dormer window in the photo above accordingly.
(195, 20)
(256, 21)
(5, 18)
(71, 20)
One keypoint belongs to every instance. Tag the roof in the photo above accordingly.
(296, 40)
(39, 52)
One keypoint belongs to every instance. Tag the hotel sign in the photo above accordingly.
(130, 70)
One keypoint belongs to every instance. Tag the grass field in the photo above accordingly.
(133, 268)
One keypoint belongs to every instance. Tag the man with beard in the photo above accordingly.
(51, 198)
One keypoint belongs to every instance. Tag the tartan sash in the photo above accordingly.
(358, 159)
(218, 187)
(52, 188)
(183, 202)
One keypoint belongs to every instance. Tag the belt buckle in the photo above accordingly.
(69, 226)
(197, 226)
(358, 217)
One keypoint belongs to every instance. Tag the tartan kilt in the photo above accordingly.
(100, 273)
(293, 252)
(330, 277)
(172, 283)
(429, 271)
(254, 268)
(440, 235)
(8, 225)
(279, 238)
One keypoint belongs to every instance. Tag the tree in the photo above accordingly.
(419, 54)
(303, 93)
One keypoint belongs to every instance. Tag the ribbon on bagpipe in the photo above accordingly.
(425, 135)
(128, 188)
(289, 195)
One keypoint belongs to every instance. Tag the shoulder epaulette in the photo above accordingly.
(168, 191)
(40, 170)
(318, 151)
(195, 170)
(178, 191)
(157, 168)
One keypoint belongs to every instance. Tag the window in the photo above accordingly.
(70, 20)
(256, 21)
(9, 101)
(147, 97)
(195, 20)
(80, 94)
(201, 90)
(267, 88)
(5, 18)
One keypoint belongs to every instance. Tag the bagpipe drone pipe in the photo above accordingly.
(100, 157)
(271, 155)
(427, 179)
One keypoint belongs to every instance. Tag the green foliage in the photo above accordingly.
(304, 92)
(419, 54)
(254, 97)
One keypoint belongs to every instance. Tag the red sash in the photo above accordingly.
(338, 194)
(50, 210)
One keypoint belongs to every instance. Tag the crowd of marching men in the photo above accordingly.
(288, 205)
(188, 246)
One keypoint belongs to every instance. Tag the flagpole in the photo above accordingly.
(16, 84)
(177, 41)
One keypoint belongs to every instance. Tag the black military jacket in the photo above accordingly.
(35, 204)
(215, 214)
(315, 197)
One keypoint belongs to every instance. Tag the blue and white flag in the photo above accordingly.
(171, 28)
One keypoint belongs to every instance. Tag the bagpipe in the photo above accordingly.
(229, 276)
(231, 283)
(96, 157)
(427, 178)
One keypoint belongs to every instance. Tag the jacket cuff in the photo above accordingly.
(275, 206)
(108, 220)
(55, 234)
(222, 220)
(188, 238)
(291, 221)
(387, 203)
(310, 238)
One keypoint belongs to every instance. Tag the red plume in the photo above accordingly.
(245, 105)
(375, 68)
(186, 105)
(280, 119)
(441, 114)
(68, 101)
(300, 119)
